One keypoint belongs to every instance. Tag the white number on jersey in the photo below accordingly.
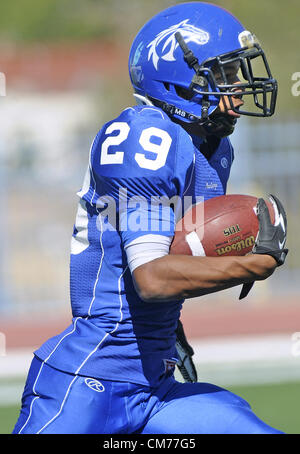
(118, 156)
(161, 150)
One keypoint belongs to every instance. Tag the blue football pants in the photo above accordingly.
(55, 402)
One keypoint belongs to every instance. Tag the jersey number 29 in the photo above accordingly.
(160, 150)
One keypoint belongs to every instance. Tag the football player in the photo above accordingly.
(112, 370)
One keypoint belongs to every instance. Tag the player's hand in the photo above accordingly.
(271, 238)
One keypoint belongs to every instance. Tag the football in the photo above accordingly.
(222, 226)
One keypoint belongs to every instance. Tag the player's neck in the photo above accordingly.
(209, 146)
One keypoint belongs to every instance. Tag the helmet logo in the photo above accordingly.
(190, 33)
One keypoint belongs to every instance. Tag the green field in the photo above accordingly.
(277, 404)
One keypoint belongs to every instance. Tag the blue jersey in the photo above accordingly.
(136, 161)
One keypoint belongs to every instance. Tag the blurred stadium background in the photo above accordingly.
(65, 65)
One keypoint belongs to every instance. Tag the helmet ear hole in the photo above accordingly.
(184, 93)
(167, 86)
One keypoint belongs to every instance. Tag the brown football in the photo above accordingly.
(221, 226)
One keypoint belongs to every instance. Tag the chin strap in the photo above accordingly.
(205, 107)
(188, 55)
(170, 109)
(219, 125)
(166, 107)
(198, 79)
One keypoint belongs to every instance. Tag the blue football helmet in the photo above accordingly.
(179, 59)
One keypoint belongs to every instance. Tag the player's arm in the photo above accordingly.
(174, 277)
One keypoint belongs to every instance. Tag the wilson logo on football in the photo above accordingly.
(247, 243)
(95, 385)
(166, 41)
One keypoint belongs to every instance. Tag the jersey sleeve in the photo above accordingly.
(140, 165)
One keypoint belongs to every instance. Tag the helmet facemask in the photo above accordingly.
(261, 89)
(213, 82)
